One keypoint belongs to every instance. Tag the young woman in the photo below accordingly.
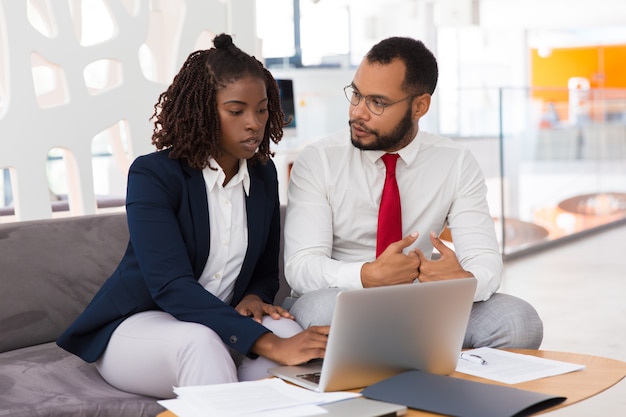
(191, 301)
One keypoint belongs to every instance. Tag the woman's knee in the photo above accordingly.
(202, 358)
(197, 341)
(282, 327)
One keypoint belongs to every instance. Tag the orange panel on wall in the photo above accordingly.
(550, 74)
(604, 67)
(615, 66)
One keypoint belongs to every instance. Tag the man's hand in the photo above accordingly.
(252, 306)
(392, 266)
(446, 267)
(304, 346)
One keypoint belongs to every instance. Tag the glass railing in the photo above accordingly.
(555, 160)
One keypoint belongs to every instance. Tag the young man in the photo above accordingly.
(335, 193)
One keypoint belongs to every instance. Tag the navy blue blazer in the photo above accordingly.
(168, 217)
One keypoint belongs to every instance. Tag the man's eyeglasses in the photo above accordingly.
(376, 105)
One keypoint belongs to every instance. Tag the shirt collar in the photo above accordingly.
(407, 154)
(214, 177)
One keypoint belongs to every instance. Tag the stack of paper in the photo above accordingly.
(267, 397)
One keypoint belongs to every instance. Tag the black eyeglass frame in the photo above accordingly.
(368, 100)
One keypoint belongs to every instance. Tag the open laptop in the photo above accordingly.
(379, 332)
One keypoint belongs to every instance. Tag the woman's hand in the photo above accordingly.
(252, 306)
(304, 346)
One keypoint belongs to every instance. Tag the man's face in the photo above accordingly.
(396, 126)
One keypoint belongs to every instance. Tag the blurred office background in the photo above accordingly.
(535, 88)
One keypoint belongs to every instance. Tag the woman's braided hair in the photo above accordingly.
(185, 116)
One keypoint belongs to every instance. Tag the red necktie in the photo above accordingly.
(389, 213)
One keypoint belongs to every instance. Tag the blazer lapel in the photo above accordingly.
(199, 208)
(255, 209)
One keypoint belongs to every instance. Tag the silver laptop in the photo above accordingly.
(379, 332)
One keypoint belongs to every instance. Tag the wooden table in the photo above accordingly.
(600, 373)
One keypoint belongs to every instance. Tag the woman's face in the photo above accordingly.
(243, 113)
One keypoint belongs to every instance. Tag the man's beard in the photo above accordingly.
(400, 137)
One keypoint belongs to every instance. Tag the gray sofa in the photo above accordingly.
(49, 270)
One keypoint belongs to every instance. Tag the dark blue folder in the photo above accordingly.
(458, 397)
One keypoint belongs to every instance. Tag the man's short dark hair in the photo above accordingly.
(421, 65)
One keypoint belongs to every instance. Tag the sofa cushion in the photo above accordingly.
(50, 269)
(283, 289)
(46, 381)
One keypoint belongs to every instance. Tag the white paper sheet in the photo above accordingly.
(512, 368)
(271, 397)
(181, 408)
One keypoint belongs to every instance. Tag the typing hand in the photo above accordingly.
(392, 267)
(300, 348)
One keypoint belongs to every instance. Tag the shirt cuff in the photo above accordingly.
(349, 275)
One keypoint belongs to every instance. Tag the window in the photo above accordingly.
(304, 33)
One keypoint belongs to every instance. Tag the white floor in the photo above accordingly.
(579, 289)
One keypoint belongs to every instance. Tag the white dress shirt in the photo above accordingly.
(332, 211)
(228, 229)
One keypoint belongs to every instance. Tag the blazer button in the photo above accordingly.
(233, 339)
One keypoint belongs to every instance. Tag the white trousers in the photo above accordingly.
(152, 352)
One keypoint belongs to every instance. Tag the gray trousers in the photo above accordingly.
(503, 321)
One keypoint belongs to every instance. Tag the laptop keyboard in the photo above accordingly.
(313, 377)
